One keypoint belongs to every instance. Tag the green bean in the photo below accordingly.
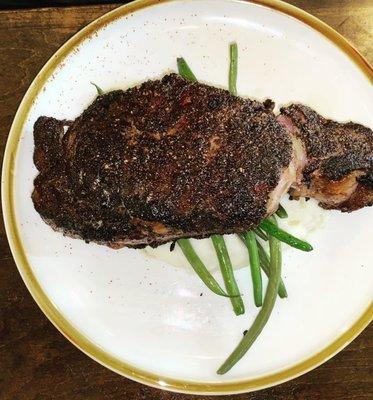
(264, 313)
(261, 234)
(99, 90)
(184, 70)
(271, 229)
(264, 263)
(233, 52)
(227, 273)
(281, 212)
(256, 275)
(200, 268)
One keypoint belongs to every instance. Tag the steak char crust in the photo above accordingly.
(339, 167)
(161, 161)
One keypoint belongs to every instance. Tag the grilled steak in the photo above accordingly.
(164, 160)
(338, 167)
(171, 159)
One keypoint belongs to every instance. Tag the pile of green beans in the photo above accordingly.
(267, 231)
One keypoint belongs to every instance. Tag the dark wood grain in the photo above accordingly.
(36, 362)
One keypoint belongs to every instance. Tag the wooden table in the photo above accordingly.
(36, 361)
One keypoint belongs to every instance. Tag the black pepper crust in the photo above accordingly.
(334, 148)
(157, 162)
(339, 169)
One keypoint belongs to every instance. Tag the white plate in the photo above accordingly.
(145, 318)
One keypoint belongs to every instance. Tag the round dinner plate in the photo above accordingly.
(151, 319)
